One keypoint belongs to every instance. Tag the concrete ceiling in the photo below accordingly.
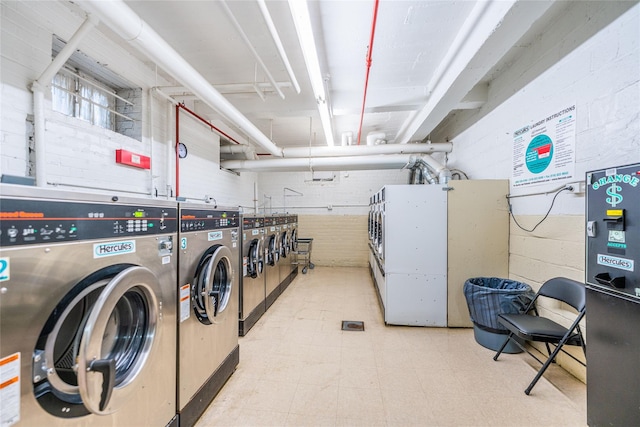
(429, 59)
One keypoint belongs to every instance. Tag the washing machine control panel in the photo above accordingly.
(202, 219)
(24, 221)
(249, 223)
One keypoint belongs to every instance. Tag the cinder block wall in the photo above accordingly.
(81, 156)
(338, 241)
(589, 58)
(555, 248)
(335, 214)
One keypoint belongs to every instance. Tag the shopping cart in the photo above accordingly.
(303, 254)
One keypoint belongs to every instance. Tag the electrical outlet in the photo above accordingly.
(576, 187)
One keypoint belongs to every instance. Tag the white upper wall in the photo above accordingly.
(347, 194)
(81, 156)
(600, 76)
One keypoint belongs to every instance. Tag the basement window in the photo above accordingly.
(323, 176)
(87, 90)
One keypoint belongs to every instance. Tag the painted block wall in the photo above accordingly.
(80, 156)
(200, 174)
(334, 213)
(600, 74)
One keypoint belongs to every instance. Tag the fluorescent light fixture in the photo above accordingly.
(300, 14)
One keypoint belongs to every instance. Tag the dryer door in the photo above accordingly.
(213, 284)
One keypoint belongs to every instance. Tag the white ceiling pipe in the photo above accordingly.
(373, 137)
(346, 138)
(247, 150)
(252, 49)
(393, 161)
(433, 163)
(126, 23)
(470, 24)
(366, 150)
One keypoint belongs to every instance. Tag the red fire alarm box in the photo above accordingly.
(132, 159)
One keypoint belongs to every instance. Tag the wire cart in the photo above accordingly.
(303, 254)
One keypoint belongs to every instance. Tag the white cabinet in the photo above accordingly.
(433, 238)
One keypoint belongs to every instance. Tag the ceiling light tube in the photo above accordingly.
(302, 21)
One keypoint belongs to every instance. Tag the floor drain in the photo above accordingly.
(352, 325)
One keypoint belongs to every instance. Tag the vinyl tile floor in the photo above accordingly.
(299, 368)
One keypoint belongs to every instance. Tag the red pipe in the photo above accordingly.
(177, 152)
(178, 107)
(369, 53)
(206, 122)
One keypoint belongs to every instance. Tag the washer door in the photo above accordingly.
(117, 339)
(284, 244)
(213, 284)
(96, 342)
(255, 262)
(273, 254)
(294, 239)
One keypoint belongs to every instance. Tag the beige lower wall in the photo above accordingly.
(338, 240)
(555, 248)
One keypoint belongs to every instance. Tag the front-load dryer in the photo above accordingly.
(252, 283)
(87, 309)
(272, 259)
(208, 350)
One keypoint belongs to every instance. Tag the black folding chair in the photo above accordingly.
(533, 327)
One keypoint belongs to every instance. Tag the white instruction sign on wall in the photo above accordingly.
(10, 390)
(544, 151)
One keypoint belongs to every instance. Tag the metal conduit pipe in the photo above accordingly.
(375, 162)
(429, 169)
(366, 150)
(426, 174)
(170, 154)
(39, 86)
(125, 22)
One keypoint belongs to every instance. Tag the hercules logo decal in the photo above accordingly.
(101, 250)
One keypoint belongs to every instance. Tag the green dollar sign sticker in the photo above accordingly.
(615, 197)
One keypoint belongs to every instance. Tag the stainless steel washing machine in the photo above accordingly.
(272, 259)
(285, 252)
(252, 283)
(208, 350)
(87, 309)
